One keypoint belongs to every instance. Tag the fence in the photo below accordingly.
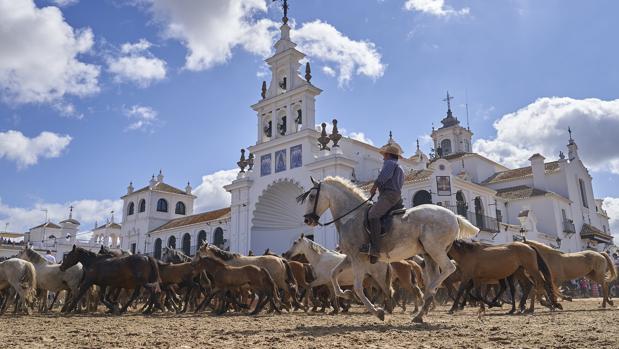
(483, 222)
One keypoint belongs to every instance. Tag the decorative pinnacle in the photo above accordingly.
(242, 163)
(324, 139)
(417, 144)
(308, 72)
(569, 130)
(264, 89)
(335, 135)
(285, 8)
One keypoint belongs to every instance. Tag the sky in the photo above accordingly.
(95, 94)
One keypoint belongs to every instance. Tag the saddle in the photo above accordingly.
(387, 219)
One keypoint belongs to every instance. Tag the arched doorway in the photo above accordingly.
(172, 242)
(461, 206)
(187, 244)
(446, 147)
(157, 251)
(277, 218)
(201, 238)
(479, 213)
(422, 197)
(218, 237)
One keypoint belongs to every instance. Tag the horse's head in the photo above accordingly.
(316, 200)
(71, 259)
(298, 247)
(205, 250)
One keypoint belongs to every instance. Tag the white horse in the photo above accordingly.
(51, 278)
(324, 263)
(426, 229)
(20, 275)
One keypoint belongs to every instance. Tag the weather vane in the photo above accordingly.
(285, 8)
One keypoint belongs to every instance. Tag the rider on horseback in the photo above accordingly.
(389, 184)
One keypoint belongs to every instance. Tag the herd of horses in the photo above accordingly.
(427, 252)
(301, 278)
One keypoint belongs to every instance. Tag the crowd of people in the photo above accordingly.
(4, 241)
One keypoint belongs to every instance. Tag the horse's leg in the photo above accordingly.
(459, 294)
(359, 271)
(346, 263)
(134, 295)
(512, 291)
(51, 306)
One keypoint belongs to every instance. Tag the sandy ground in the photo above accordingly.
(581, 325)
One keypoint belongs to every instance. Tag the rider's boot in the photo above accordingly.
(373, 248)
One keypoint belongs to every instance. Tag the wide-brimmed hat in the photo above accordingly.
(392, 147)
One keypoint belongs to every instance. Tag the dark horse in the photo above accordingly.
(128, 272)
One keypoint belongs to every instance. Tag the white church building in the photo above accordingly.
(549, 201)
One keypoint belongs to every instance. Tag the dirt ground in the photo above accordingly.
(581, 325)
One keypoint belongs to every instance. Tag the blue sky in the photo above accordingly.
(123, 89)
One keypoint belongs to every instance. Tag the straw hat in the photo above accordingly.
(392, 147)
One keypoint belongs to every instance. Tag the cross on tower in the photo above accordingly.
(285, 8)
(71, 211)
(448, 100)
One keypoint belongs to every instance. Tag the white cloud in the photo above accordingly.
(323, 42)
(328, 71)
(63, 3)
(211, 29)
(143, 118)
(435, 8)
(361, 137)
(211, 194)
(39, 61)
(21, 219)
(136, 64)
(26, 151)
(541, 127)
(611, 206)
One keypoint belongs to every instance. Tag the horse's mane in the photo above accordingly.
(543, 247)
(315, 246)
(36, 257)
(460, 244)
(345, 183)
(223, 255)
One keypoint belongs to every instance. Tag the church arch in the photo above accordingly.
(162, 205)
(479, 212)
(461, 205)
(157, 249)
(130, 208)
(201, 238)
(142, 206)
(187, 244)
(277, 218)
(180, 208)
(422, 197)
(172, 241)
(218, 237)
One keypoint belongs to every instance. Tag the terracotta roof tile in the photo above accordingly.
(48, 225)
(194, 219)
(519, 192)
(517, 173)
(160, 186)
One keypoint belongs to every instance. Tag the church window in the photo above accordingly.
(130, 208)
(218, 237)
(142, 206)
(467, 146)
(201, 238)
(172, 242)
(187, 244)
(446, 147)
(162, 205)
(583, 193)
(157, 250)
(180, 208)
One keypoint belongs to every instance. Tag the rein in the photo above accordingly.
(317, 217)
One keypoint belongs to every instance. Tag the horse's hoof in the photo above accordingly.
(451, 312)
(558, 306)
(380, 313)
(418, 320)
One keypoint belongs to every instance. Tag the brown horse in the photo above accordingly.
(276, 266)
(406, 275)
(185, 275)
(226, 278)
(303, 274)
(595, 266)
(487, 264)
(129, 272)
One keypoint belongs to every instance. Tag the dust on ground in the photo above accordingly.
(581, 325)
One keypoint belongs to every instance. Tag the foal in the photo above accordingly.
(227, 278)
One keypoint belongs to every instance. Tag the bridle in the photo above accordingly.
(315, 217)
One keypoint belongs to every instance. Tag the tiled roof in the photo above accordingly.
(70, 220)
(517, 173)
(590, 232)
(519, 192)
(160, 186)
(112, 225)
(48, 225)
(193, 219)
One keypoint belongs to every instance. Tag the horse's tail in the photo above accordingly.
(290, 279)
(543, 267)
(28, 282)
(467, 229)
(612, 270)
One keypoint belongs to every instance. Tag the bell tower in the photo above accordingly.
(451, 138)
(288, 101)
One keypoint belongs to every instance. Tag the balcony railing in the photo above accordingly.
(485, 223)
(569, 227)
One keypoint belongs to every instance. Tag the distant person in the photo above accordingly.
(50, 257)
